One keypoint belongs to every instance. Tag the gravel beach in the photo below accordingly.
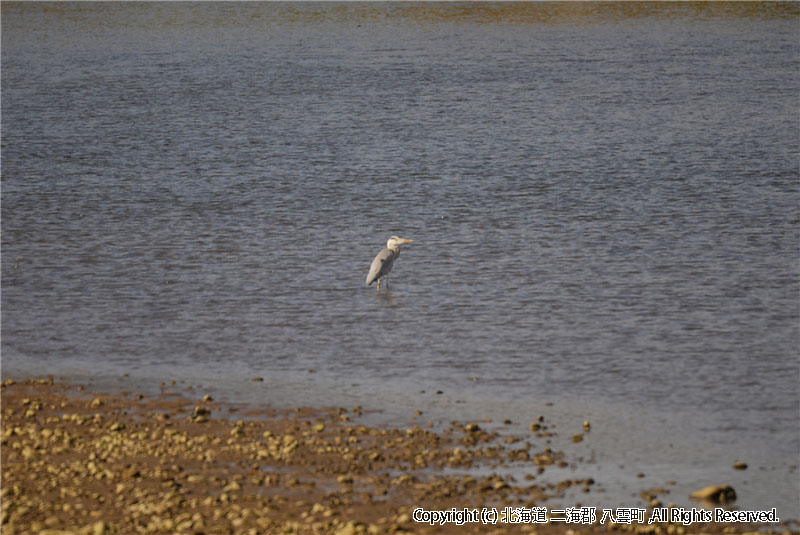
(76, 461)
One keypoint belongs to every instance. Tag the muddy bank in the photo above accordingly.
(75, 461)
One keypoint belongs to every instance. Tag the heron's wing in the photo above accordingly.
(381, 265)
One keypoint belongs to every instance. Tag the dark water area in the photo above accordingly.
(603, 201)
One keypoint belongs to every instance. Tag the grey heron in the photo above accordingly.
(382, 264)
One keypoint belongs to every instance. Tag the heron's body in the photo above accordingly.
(383, 262)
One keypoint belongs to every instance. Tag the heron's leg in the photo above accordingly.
(379, 285)
(387, 282)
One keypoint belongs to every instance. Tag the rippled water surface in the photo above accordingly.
(603, 201)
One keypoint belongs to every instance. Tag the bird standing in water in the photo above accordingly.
(382, 264)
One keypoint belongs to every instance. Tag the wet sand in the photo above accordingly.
(75, 461)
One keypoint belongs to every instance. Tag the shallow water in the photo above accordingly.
(603, 202)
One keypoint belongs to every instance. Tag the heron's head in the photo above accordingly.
(395, 242)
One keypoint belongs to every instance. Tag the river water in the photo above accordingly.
(603, 201)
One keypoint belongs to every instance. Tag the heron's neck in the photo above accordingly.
(395, 250)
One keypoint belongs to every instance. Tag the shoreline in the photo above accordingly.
(674, 451)
(76, 460)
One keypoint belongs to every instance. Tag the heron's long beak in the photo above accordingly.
(405, 240)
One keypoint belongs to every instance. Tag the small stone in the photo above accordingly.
(587, 426)
(577, 438)
(232, 487)
(740, 466)
(201, 415)
(258, 379)
(715, 494)
(347, 529)
(318, 508)
(130, 473)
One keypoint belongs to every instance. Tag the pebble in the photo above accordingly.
(472, 428)
(717, 494)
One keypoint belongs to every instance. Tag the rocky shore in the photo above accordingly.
(75, 461)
